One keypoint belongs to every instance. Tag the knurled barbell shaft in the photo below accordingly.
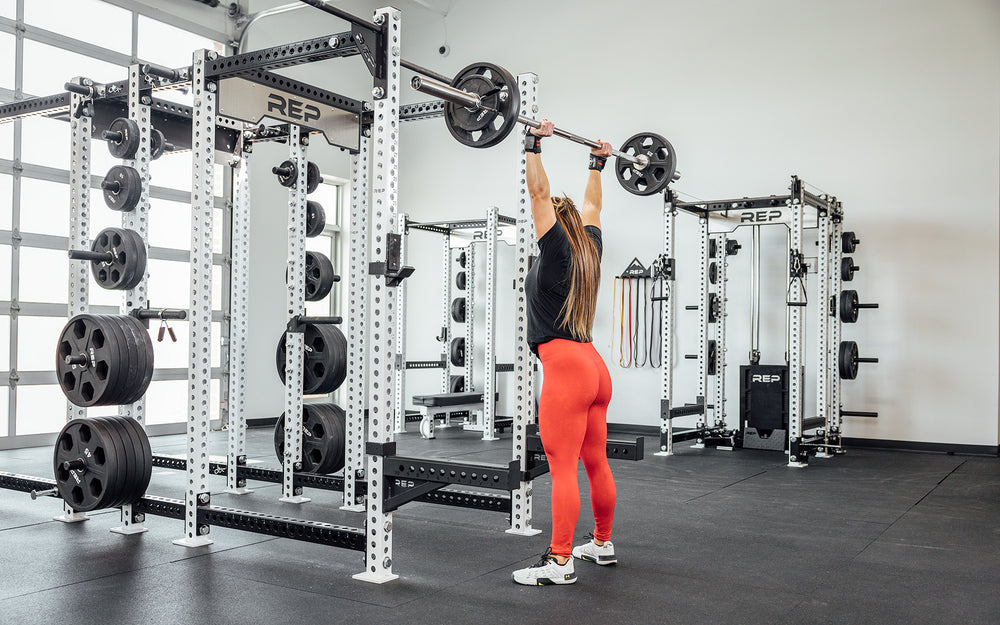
(444, 91)
(104, 257)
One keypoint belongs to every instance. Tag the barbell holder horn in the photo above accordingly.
(162, 72)
(442, 90)
(83, 90)
(100, 257)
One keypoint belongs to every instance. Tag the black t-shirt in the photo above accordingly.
(547, 284)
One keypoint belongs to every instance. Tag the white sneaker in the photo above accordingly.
(591, 552)
(545, 572)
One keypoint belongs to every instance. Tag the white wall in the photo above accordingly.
(891, 106)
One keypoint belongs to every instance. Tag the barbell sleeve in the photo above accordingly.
(103, 257)
(871, 360)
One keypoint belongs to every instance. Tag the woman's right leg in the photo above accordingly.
(595, 456)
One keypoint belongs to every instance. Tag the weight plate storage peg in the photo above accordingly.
(847, 268)
(128, 264)
(325, 359)
(458, 309)
(315, 218)
(849, 360)
(104, 360)
(458, 351)
(849, 306)
(323, 431)
(102, 462)
(122, 187)
(653, 176)
(849, 242)
(123, 138)
(490, 123)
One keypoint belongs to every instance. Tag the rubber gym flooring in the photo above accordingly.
(705, 536)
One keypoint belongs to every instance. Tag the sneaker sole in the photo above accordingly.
(544, 581)
(600, 561)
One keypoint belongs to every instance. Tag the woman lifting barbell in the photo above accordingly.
(561, 291)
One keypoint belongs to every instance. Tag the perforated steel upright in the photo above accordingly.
(719, 398)
(822, 321)
(295, 306)
(200, 316)
(470, 317)
(357, 342)
(667, 333)
(446, 320)
(382, 321)
(835, 420)
(795, 331)
(238, 322)
(489, 340)
(79, 237)
(137, 219)
(703, 319)
(399, 419)
(524, 361)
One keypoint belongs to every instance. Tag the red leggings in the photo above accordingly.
(572, 421)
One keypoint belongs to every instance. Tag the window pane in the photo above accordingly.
(172, 171)
(166, 402)
(4, 343)
(6, 201)
(44, 276)
(40, 409)
(7, 140)
(41, 79)
(44, 207)
(92, 21)
(8, 8)
(218, 231)
(45, 141)
(36, 342)
(5, 272)
(168, 284)
(4, 412)
(7, 68)
(168, 45)
(170, 355)
(169, 224)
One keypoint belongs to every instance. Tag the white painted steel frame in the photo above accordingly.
(667, 334)
(470, 317)
(399, 419)
(295, 303)
(822, 319)
(835, 420)
(795, 331)
(719, 399)
(382, 323)
(524, 360)
(200, 314)
(447, 262)
(239, 322)
(489, 335)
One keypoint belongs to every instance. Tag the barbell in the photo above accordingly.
(481, 111)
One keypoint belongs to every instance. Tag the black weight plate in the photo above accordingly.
(713, 272)
(313, 177)
(315, 439)
(456, 384)
(116, 470)
(325, 362)
(291, 178)
(140, 442)
(460, 280)
(336, 344)
(847, 269)
(458, 351)
(657, 174)
(83, 385)
(501, 100)
(142, 351)
(848, 360)
(458, 309)
(127, 147)
(84, 490)
(126, 253)
(126, 466)
(461, 259)
(319, 276)
(713, 248)
(108, 275)
(129, 188)
(333, 439)
(315, 218)
(849, 242)
(713, 358)
(136, 264)
(116, 373)
(337, 444)
(849, 306)
(156, 143)
(128, 364)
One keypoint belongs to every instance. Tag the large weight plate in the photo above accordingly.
(129, 145)
(313, 177)
(141, 347)
(456, 384)
(125, 364)
(319, 276)
(849, 242)
(657, 174)
(337, 419)
(849, 306)
(87, 488)
(458, 309)
(457, 351)
(140, 442)
(126, 458)
(86, 385)
(848, 360)
(501, 100)
(129, 192)
(315, 218)
(325, 362)
(460, 280)
(322, 438)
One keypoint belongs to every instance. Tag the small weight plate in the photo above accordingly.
(291, 178)
(713, 272)
(458, 351)
(461, 259)
(313, 177)
(849, 306)
(129, 192)
(456, 384)
(458, 309)
(491, 123)
(83, 489)
(129, 145)
(319, 276)
(658, 172)
(315, 218)
(849, 242)
(847, 269)
(460, 280)
(156, 144)
(848, 360)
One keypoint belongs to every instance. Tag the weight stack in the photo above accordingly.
(764, 406)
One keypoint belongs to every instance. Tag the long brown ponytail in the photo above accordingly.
(584, 276)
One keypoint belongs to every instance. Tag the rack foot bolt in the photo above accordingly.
(295, 499)
(197, 541)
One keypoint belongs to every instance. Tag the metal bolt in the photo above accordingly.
(359, 38)
(146, 100)
(380, 19)
(241, 483)
(248, 134)
(304, 140)
(235, 162)
(534, 80)
(367, 131)
(197, 102)
(395, 50)
(138, 518)
(297, 466)
(378, 93)
(366, 105)
(202, 530)
(388, 526)
(203, 498)
(298, 490)
(88, 82)
(387, 563)
(793, 458)
(212, 55)
(534, 108)
(334, 42)
(212, 87)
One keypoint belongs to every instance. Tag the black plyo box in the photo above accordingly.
(764, 396)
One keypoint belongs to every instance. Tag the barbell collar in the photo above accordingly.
(102, 257)
(871, 360)
(282, 171)
(74, 465)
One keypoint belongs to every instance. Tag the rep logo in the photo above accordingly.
(766, 378)
(756, 217)
(295, 109)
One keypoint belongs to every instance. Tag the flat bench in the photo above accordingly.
(442, 406)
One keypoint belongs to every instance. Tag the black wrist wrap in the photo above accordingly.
(532, 143)
(597, 162)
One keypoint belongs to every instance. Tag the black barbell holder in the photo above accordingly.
(162, 72)
(113, 136)
(83, 90)
(858, 413)
(99, 257)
